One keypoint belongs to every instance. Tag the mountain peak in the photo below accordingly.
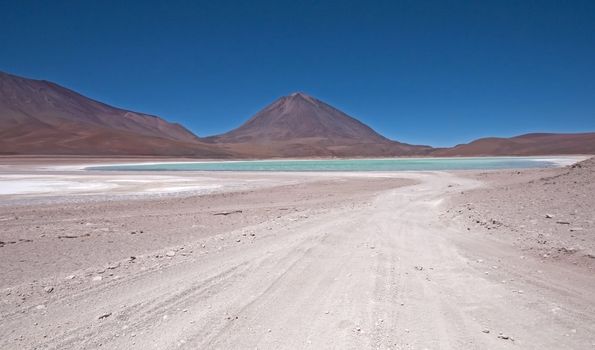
(300, 125)
(300, 94)
(301, 116)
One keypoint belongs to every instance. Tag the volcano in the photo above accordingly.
(300, 125)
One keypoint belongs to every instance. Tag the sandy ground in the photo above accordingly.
(547, 213)
(291, 261)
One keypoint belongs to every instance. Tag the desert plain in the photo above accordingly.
(497, 259)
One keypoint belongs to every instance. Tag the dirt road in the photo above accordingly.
(389, 273)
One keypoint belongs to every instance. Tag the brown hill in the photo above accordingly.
(40, 117)
(299, 125)
(525, 145)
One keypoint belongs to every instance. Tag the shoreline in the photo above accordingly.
(37, 181)
(41, 162)
(559, 160)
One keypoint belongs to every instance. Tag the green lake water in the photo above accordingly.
(389, 164)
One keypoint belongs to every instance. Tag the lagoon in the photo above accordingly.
(348, 165)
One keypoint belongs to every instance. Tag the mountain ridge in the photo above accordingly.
(42, 117)
(530, 144)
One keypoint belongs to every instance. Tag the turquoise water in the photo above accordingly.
(392, 164)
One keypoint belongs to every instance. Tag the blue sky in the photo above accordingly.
(427, 72)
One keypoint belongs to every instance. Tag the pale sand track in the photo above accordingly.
(343, 279)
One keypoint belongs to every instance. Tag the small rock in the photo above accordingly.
(419, 268)
(71, 277)
(113, 266)
(359, 329)
(563, 222)
(170, 253)
(105, 315)
(575, 229)
(48, 289)
(503, 336)
(486, 331)
(549, 216)
(238, 240)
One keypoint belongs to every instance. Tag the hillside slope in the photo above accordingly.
(40, 117)
(525, 145)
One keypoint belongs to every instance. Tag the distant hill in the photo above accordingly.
(525, 145)
(40, 117)
(299, 125)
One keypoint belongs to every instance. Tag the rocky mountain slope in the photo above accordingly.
(40, 117)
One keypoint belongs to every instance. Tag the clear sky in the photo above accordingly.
(428, 72)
